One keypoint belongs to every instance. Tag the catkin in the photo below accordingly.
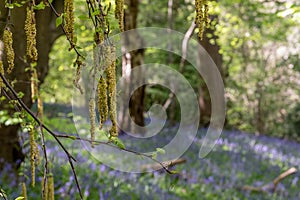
(50, 187)
(102, 101)
(201, 20)
(45, 188)
(69, 19)
(111, 83)
(92, 120)
(32, 156)
(119, 13)
(8, 47)
(30, 31)
(206, 18)
(1, 72)
(24, 191)
(34, 85)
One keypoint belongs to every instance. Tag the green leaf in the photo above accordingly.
(72, 137)
(118, 142)
(18, 5)
(59, 20)
(21, 95)
(9, 5)
(160, 150)
(40, 6)
(174, 172)
(20, 198)
(154, 155)
(75, 39)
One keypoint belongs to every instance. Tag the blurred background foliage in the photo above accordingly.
(259, 44)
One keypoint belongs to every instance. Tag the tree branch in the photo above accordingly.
(184, 45)
(110, 144)
(270, 186)
(167, 164)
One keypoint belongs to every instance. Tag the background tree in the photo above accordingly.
(130, 60)
(260, 83)
(209, 43)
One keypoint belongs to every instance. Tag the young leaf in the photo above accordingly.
(9, 5)
(154, 155)
(18, 5)
(160, 150)
(118, 142)
(72, 137)
(40, 6)
(20, 198)
(59, 20)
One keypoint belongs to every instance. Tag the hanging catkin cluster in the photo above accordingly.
(34, 155)
(102, 100)
(50, 187)
(30, 31)
(45, 188)
(92, 119)
(8, 47)
(106, 87)
(119, 13)
(111, 85)
(201, 16)
(24, 191)
(69, 19)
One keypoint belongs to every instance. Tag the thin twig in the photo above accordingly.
(64, 30)
(46, 170)
(8, 22)
(270, 187)
(184, 46)
(110, 144)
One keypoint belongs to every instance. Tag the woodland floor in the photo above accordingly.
(238, 159)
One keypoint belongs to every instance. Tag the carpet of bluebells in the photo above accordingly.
(238, 159)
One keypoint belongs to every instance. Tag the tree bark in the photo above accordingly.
(131, 60)
(204, 97)
(47, 33)
(259, 114)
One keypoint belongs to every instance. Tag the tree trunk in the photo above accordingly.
(204, 97)
(259, 114)
(47, 33)
(130, 60)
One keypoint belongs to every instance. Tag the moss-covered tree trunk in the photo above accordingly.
(130, 61)
(47, 33)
